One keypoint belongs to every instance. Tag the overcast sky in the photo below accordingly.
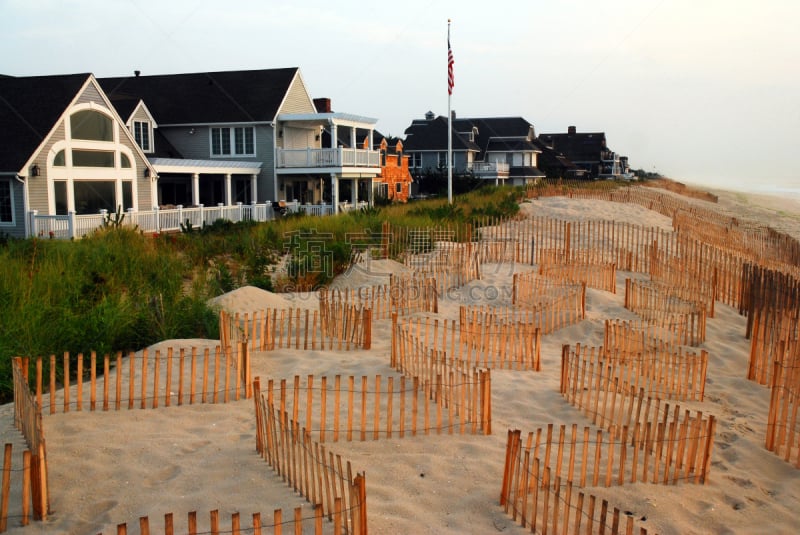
(703, 91)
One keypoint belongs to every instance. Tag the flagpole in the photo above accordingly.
(449, 123)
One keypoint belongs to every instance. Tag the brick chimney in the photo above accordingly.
(571, 130)
(323, 105)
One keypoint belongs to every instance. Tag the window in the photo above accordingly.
(6, 203)
(399, 187)
(239, 141)
(92, 158)
(124, 161)
(60, 190)
(414, 160)
(91, 196)
(91, 125)
(141, 132)
(60, 159)
(127, 194)
(443, 159)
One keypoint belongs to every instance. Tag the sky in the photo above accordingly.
(705, 92)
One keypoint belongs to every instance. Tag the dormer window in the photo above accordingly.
(141, 132)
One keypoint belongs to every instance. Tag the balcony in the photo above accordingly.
(490, 170)
(327, 158)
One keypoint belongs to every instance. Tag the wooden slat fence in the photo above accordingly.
(16, 489)
(304, 464)
(654, 304)
(604, 458)
(598, 276)
(639, 337)
(783, 425)
(174, 376)
(548, 503)
(603, 400)
(339, 325)
(350, 408)
(298, 521)
(660, 374)
(28, 420)
(552, 303)
(478, 339)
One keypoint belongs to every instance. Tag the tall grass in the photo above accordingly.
(119, 290)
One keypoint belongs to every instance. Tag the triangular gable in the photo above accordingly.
(91, 82)
(140, 110)
(296, 99)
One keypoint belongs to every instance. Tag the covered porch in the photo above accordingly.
(206, 182)
(326, 159)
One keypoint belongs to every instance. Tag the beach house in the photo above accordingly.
(173, 148)
(588, 151)
(498, 149)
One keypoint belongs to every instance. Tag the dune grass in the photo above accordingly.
(120, 290)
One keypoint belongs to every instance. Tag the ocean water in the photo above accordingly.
(786, 190)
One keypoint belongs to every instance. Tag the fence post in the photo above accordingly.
(71, 224)
(32, 222)
(157, 219)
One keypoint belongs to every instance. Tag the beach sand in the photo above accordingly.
(108, 468)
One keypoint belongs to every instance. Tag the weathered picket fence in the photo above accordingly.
(657, 305)
(305, 465)
(17, 485)
(532, 494)
(298, 522)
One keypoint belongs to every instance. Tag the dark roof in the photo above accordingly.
(579, 146)
(510, 145)
(29, 109)
(432, 135)
(525, 172)
(503, 134)
(207, 97)
(164, 149)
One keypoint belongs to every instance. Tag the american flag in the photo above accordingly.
(450, 79)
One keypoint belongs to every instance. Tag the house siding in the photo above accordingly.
(140, 115)
(38, 191)
(297, 99)
(90, 94)
(198, 146)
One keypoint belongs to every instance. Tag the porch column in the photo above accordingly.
(335, 193)
(195, 189)
(354, 193)
(228, 196)
(334, 136)
(371, 137)
(353, 137)
(253, 188)
(371, 193)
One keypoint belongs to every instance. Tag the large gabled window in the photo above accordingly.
(141, 132)
(238, 141)
(92, 125)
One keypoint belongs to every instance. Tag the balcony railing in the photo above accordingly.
(490, 169)
(317, 158)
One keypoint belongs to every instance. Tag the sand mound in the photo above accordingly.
(249, 299)
(369, 273)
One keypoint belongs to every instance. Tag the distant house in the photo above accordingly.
(500, 149)
(64, 148)
(395, 177)
(588, 151)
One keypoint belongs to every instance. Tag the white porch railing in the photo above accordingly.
(490, 169)
(341, 157)
(170, 220)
